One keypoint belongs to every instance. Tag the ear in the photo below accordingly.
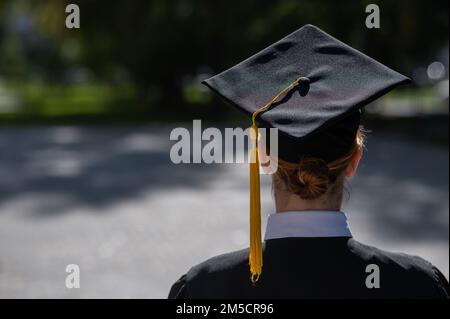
(353, 166)
(265, 161)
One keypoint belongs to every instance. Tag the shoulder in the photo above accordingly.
(401, 271)
(217, 264)
(201, 280)
(399, 261)
(217, 272)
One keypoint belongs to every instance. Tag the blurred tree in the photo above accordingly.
(156, 44)
(159, 42)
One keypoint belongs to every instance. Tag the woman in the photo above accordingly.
(311, 87)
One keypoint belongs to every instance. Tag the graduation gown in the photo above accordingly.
(315, 268)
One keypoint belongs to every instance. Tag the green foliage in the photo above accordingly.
(153, 46)
(40, 101)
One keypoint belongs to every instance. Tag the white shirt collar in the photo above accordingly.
(307, 224)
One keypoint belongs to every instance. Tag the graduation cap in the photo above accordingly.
(311, 87)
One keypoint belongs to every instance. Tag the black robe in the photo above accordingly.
(313, 268)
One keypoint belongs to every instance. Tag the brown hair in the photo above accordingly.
(312, 177)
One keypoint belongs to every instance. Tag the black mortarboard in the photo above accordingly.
(311, 87)
(318, 118)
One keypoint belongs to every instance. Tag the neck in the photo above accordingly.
(285, 201)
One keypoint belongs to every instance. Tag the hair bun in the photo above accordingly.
(313, 178)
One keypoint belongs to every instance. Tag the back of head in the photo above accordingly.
(313, 177)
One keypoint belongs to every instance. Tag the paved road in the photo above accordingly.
(109, 200)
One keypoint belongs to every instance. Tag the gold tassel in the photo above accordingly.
(255, 253)
(255, 256)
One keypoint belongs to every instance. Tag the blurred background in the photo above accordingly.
(85, 118)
